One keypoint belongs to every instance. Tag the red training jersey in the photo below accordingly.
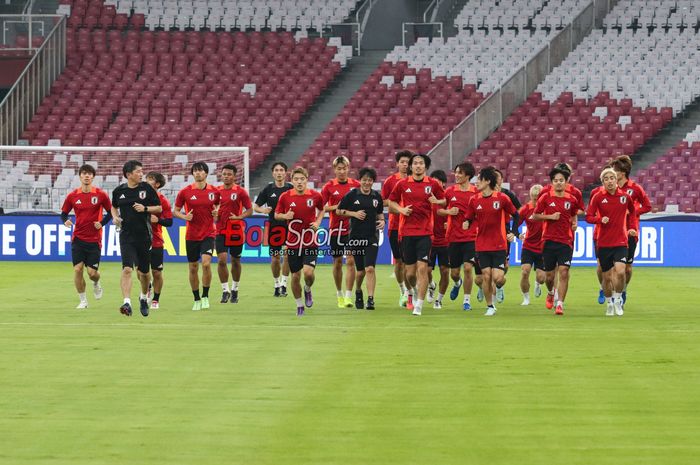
(201, 202)
(618, 207)
(305, 207)
(88, 208)
(596, 229)
(332, 193)
(407, 192)
(558, 230)
(641, 201)
(439, 228)
(157, 228)
(533, 237)
(569, 189)
(491, 212)
(233, 202)
(387, 187)
(456, 197)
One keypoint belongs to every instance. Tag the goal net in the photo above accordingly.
(36, 179)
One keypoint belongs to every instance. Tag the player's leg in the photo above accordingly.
(539, 275)
(444, 280)
(488, 288)
(129, 259)
(422, 246)
(206, 250)
(525, 282)
(309, 262)
(284, 277)
(631, 251)
(456, 258)
(432, 286)
(409, 256)
(143, 268)
(399, 266)
(236, 271)
(360, 274)
(222, 271)
(79, 281)
(349, 275)
(549, 266)
(563, 287)
(157, 287)
(296, 265)
(369, 259)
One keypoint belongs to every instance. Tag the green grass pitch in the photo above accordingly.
(251, 383)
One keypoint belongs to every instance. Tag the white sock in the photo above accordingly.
(432, 284)
(348, 294)
(277, 282)
(307, 288)
(526, 295)
(97, 284)
(300, 302)
(617, 296)
(83, 297)
(550, 293)
(234, 285)
(499, 288)
(410, 292)
(608, 300)
(439, 297)
(143, 296)
(402, 286)
(467, 299)
(224, 286)
(283, 281)
(339, 294)
(418, 304)
(127, 300)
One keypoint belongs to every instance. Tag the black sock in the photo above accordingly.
(196, 294)
(205, 291)
(156, 296)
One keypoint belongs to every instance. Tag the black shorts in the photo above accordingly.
(195, 249)
(439, 255)
(338, 245)
(136, 255)
(415, 248)
(157, 258)
(395, 244)
(300, 258)
(234, 250)
(462, 252)
(631, 249)
(492, 259)
(86, 252)
(608, 256)
(532, 258)
(556, 254)
(365, 255)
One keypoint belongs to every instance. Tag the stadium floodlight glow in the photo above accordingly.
(39, 177)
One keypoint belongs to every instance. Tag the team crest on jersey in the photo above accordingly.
(496, 204)
(623, 199)
(234, 196)
(375, 203)
(93, 200)
(567, 205)
(428, 189)
(630, 192)
(211, 196)
(309, 202)
(142, 195)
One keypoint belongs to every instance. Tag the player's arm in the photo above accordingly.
(107, 206)
(644, 202)
(632, 214)
(539, 214)
(512, 229)
(280, 213)
(321, 212)
(395, 198)
(592, 216)
(345, 205)
(65, 211)
(262, 200)
(151, 203)
(380, 213)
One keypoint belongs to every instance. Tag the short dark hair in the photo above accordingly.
(564, 167)
(440, 175)
(87, 168)
(130, 166)
(499, 172)
(489, 174)
(622, 163)
(230, 166)
(403, 154)
(279, 163)
(199, 166)
(157, 177)
(367, 172)
(557, 170)
(425, 158)
(466, 168)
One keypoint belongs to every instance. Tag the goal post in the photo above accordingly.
(34, 178)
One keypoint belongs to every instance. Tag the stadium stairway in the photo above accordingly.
(322, 112)
(668, 138)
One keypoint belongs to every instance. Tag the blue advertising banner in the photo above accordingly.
(44, 238)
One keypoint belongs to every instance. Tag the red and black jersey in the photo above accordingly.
(619, 208)
(533, 237)
(332, 193)
(233, 202)
(201, 202)
(558, 230)
(456, 197)
(305, 207)
(492, 213)
(387, 187)
(569, 189)
(641, 201)
(89, 208)
(407, 192)
(157, 228)
(439, 228)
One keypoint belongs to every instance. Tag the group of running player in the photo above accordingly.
(464, 229)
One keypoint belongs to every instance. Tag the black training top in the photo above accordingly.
(270, 195)
(136, 227)
(373, 206)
